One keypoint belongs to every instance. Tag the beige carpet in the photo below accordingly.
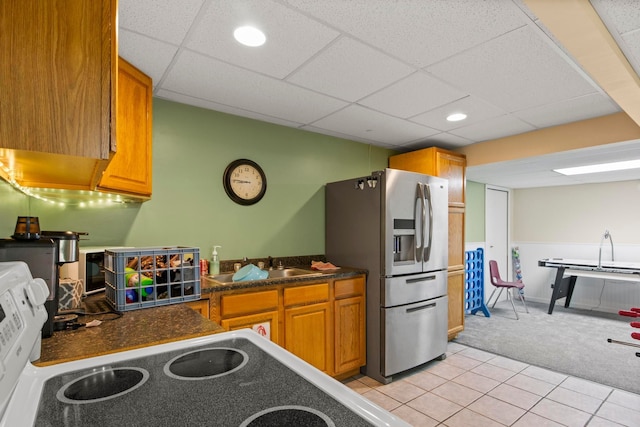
(570, 341)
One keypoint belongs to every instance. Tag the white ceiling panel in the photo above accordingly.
(349, 70)
(496, 127)
(149, 55)
(515, 71)
(202, 77)
(292, 37)
(165, 20)
(624, 15)
(372, 125)
(202, 103)
(382, 72)
(408, 29)
(571, 110)
(475, 108)
(413, 95)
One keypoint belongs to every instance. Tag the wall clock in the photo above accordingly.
(244, 181)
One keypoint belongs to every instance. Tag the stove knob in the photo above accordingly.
(37, 292)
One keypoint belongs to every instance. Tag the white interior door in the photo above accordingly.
(496, 234)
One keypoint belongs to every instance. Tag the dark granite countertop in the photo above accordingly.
(209, 285)
(130, 330)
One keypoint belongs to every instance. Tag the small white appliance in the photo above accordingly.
(89, 268)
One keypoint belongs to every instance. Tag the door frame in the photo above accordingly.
(508, 273)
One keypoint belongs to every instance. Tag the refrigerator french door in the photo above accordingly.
(395, 224)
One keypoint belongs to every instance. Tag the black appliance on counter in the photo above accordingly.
(43, 252)
(41, 255)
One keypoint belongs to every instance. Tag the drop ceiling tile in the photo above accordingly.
(631, 49)
(198, 102)
(412, 95)
(165, 20)
(417, 31)
(516, 71)
(581, 108)
(348, 137)
(215, 81)
(448, 140)
(624, 15)
(496, 127)
(476, 110)
(372, 125)
(151, 56)
(292, 38)
(349, 70)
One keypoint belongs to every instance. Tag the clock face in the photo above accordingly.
(245, 182)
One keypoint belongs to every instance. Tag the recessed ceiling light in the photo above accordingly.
(456, 117)
(602, 167)
(249, 36)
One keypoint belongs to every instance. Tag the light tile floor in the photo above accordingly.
(475, 388)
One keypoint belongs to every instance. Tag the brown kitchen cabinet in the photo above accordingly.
(320, 321)
(201, 306)
(59, 64)
(349, 324)
(60, 122)
(129, 171)
(307, 334)
(446, 164)
(455, 292)
(307, 324)
(245, 310)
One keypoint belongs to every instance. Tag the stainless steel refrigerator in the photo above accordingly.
(395, 224)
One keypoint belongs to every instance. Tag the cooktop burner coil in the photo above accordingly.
(206, 363)
(103, 384)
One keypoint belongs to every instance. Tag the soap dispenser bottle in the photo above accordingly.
(215, 261)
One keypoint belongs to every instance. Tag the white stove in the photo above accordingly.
(230, 379)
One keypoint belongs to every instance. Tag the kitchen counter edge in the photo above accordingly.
(209, 285)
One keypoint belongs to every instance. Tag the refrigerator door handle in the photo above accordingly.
(427, 250)
(420, 234)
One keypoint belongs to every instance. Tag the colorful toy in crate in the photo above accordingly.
(136, 280)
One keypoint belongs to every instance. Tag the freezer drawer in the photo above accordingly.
(416, 287)
(413, 334)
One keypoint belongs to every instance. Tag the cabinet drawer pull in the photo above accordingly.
(421, 279)
(422, 307)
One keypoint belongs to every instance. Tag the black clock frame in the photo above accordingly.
(226, 181)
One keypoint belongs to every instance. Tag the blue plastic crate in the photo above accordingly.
(474, 282)
(138, 278)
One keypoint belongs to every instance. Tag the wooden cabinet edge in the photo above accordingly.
(114, 178)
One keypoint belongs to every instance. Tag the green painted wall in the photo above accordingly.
(191, 149)
(474, 212)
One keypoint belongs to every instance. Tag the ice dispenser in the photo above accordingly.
(404, 240)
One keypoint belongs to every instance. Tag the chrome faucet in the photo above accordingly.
(606, 235)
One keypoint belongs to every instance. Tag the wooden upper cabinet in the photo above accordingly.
(130, 169)
(57, 68)
(437, 162)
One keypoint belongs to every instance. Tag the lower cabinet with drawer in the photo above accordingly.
(322, 322)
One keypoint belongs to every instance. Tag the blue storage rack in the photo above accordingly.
(474, 283)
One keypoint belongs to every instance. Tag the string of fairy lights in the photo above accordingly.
(63, 197)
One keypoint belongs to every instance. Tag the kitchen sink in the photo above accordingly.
(273, 274)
